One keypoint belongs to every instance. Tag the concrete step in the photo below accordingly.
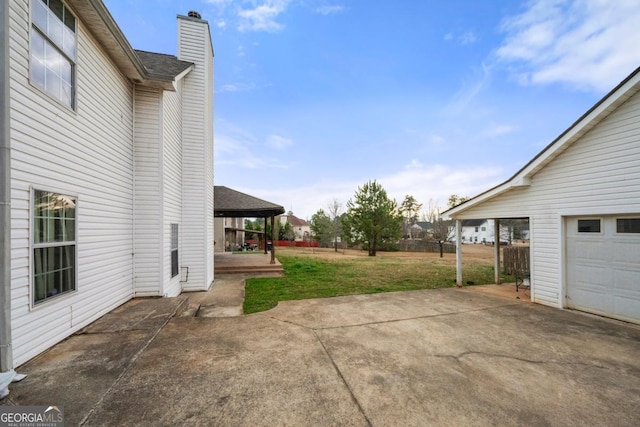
(253, 269)
(191, 311)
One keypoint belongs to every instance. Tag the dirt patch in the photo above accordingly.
(469, 253)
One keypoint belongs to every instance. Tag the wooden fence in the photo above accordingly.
(419, 245)
(516, 259)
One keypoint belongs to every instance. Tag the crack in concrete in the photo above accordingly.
(381, 322)
(344, 380)
(129, 365)
(519, 359)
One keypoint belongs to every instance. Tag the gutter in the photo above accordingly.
(6, 354)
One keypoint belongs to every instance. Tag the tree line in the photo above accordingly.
(375, 221)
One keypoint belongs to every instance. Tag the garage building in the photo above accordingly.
(581, 195)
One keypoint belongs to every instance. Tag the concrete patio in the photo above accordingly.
(245, 263)
(435, 357)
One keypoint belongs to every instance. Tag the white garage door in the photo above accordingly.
(603, 266)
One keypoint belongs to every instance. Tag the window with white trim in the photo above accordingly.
(174, 250)
(53, 49)
(54, 245)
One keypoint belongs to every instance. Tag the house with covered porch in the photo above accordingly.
(106, 174)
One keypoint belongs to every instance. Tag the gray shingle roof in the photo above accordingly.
(162, 65)
(473, 222)
(231, 203)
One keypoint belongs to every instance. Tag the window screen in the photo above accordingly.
(588, 226)
(628, 225)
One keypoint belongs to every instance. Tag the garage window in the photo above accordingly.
(628, 225)
(589, 226)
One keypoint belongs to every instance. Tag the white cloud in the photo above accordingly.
(236, 87)
(329, 10)
(587, 44)
(436, 139)
(469, 90)
(498, 130)
(435, 182)
(221, 24)
(262, 17)
(237, 148)
(468, 37)
(279, 142)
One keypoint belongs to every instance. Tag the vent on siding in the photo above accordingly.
(194, 14)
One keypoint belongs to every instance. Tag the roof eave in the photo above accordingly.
(106, 31)
(609, 103)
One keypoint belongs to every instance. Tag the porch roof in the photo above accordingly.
(230, 203)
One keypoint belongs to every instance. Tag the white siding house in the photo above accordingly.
(582, 197)
(109, 168)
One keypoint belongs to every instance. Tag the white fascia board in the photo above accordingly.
(181, 76)
(591, 118)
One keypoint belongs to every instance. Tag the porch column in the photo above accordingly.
(265, 235)
(458, 252)
(273, 239)
(496, 250)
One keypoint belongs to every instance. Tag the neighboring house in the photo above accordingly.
(477, 231)
(233, 233)
(420, 229)
(300, 227)
(581, 195)
(110, 173)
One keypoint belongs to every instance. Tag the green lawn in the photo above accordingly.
(308, 276)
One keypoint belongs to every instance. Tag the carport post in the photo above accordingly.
(273, 239)
(265, 235)
(458, 252)
(496, 250)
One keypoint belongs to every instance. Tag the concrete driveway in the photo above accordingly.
(437, 357)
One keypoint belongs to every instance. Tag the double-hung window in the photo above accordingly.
(54, 245)
(53, 49)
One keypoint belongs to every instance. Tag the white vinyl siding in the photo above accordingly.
(197, 155)
(148, 184)
(172, 197)
(86, 153)
(598, 174)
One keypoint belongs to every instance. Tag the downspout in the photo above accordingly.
(458, 253)
(6, 354)
(133, 208)
(496, 251)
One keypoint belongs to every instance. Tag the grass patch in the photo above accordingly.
(314, 277)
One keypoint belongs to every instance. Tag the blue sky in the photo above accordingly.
(315, 97)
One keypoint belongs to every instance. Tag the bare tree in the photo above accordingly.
(442, 233)
(335, 211)
(409, 210)
(433, 211)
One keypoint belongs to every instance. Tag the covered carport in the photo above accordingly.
(229, 203)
